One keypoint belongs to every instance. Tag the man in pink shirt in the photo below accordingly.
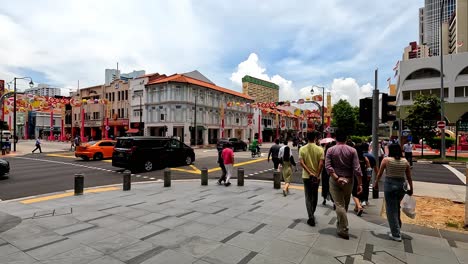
(228, 158)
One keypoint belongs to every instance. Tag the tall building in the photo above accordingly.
(260, 90)
(421, 25)
(431, 23)
(414, 51)
(114, 74)
(458, 28)
(43, 90)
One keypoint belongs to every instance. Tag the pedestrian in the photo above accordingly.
(38, 145)
(281, 150)
(342, 164)
(311, 158)
(408, 148)
(287, 163)
(274, 151)
(228, 158)
(396, 169)
(325, 179)
(364, 165)
(221, 165)
(373, 165)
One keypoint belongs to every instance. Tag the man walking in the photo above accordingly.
(228, 158)
(408, 148)
(311, 159)
(274, 151)
(221, 165)
(342, 164)
(38, 145)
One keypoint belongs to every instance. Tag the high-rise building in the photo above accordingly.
(414, 51)
(260, 90)
(114, 74)
(421, 25)
(458, 28)
(43, 90)
(431, 23)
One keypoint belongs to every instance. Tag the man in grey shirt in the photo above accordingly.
(274, 151)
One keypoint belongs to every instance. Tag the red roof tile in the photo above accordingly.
(184, 79)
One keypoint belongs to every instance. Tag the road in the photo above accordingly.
(35, 174)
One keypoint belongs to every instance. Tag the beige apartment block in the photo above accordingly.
(260, 90)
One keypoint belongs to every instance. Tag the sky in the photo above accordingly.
(297, 44)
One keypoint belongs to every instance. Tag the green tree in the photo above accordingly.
(344, 116)
(423, 115)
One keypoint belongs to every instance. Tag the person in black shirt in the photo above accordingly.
(274, 150)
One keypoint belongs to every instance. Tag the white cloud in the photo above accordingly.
(349, 89)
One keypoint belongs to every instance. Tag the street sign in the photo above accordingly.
(463, 126)
(441, 124)
(107, 128)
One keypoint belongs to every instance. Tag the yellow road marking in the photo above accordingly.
(195, 168)
(61, 155)
(67, 194)
(249, 162)
(184, 170)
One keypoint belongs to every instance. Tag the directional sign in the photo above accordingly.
(441, 124)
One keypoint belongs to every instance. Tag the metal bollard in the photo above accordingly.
(79, 184)
(167, 177)
(127, 180)
(276, 180)
(204, 176)
(240, 177)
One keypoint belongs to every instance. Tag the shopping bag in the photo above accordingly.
(408, 206)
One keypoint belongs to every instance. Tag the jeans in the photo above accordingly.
(341, 195)
(311, 195)
(276, 162)
(228, 171)
(223, 175)
(393, 193)
(365, 188)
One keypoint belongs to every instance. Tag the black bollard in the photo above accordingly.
(204, 176)
(79, 184)
(127, 180)
(276, 180)
(240, 177)
(167, 177)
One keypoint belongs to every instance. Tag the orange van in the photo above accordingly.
(96, 150)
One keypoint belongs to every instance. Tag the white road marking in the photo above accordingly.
(460, 175)
(152, 178)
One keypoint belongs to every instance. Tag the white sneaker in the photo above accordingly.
(394, 238)
(364, 203)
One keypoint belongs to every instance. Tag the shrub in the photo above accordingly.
(435, 142)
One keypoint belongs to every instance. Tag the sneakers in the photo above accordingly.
(394, 237)
(343, 235)
(311, 222)
(227, 184)
(364, 203)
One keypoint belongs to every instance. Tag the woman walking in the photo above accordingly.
(325, 179)
(397, 168)
(287, 162)
(365, 164)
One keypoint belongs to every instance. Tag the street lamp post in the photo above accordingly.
(31, 84)
(322, 112)
(442, 114)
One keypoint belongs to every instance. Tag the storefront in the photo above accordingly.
(118, 127)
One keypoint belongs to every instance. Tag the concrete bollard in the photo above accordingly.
(204, 176)
(466, 196)
(240, 177)
(276, 180)
(167, 177)
(79, 184)
(127, 180)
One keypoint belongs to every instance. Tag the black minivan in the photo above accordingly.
(147, 153)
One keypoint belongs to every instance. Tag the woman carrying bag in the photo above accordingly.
(398, 172)
(287, 161)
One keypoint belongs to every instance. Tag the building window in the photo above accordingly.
(237, 120)
(137, 113)
(460, 91)
(406, 95)
(96, 115)
(126, 95)
(113, 96)
(178, 107)
(162, 117)
(118, 96)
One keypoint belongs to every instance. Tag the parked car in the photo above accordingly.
(147, 153)
(236, 143)
(96, 150)
(4, 168)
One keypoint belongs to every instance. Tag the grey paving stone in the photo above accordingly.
(240, 224)
(249, 241)
(88, 215)
(92, 235)
(198, 247)
(323, 256)
(269, 231)
(253, 216)
(73, 228)
(174, 211)
(170, 222)
(149, 217)
(231, 212)
(171, 239)
(82, 254)
(170, 256)
(108, 220)
(378, 239)
(106, 260)
(27, 236)
(17, 258)
(55, 222)
(193, 228)
(128, 212)
(278, 221)
(8, 249)
(201, 262)
(212, 219)
(143, 231)
(124, 226)
(218, 233)
(193, 215)
(209, 209)
(226, 254)
(262, 259)
(132, 251)
(46, 252)
(416, 259)
(113, 243)
(462, 254)
(287, 251)
(432, 247)
(298, 237)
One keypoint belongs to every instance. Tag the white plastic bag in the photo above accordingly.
(408, 206)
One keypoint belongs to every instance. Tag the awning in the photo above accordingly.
(133, 131)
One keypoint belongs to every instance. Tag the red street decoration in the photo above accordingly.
(283, 124)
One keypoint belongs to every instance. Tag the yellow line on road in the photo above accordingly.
(67, 194)
(61, 155)
(249, 162)
(184, 170)
(195, 168)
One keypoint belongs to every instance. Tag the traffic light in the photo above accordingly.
(388, 106)
(365, 110)
(396, 125)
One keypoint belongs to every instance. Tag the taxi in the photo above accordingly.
(96, 150)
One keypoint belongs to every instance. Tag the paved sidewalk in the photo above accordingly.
(189, 223)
